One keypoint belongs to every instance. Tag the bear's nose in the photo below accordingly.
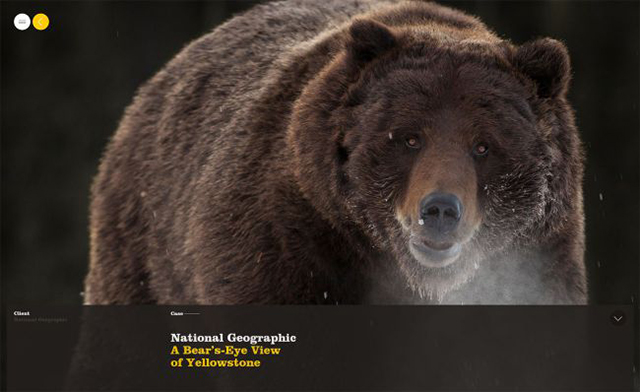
(440, 212)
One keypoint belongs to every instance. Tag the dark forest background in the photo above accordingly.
(65, 88)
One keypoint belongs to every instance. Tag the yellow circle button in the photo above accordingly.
(40, 21)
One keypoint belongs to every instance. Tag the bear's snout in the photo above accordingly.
(440, 213)
(435, 239)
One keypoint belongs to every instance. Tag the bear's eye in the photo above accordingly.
(412, 142)
(480, 149)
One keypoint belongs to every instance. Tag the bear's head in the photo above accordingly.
(440, 151)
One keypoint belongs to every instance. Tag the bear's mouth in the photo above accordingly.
(434, 254)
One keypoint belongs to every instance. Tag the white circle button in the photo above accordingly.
(22, 21)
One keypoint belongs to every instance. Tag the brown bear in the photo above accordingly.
(345, 152)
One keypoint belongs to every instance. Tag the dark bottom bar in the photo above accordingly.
(322, 348)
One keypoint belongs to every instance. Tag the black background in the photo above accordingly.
(338, 348)
(65, 88)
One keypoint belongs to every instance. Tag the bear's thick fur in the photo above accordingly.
(291, 156)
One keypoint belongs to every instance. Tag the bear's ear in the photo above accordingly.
(368, 39)
(546, 62)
